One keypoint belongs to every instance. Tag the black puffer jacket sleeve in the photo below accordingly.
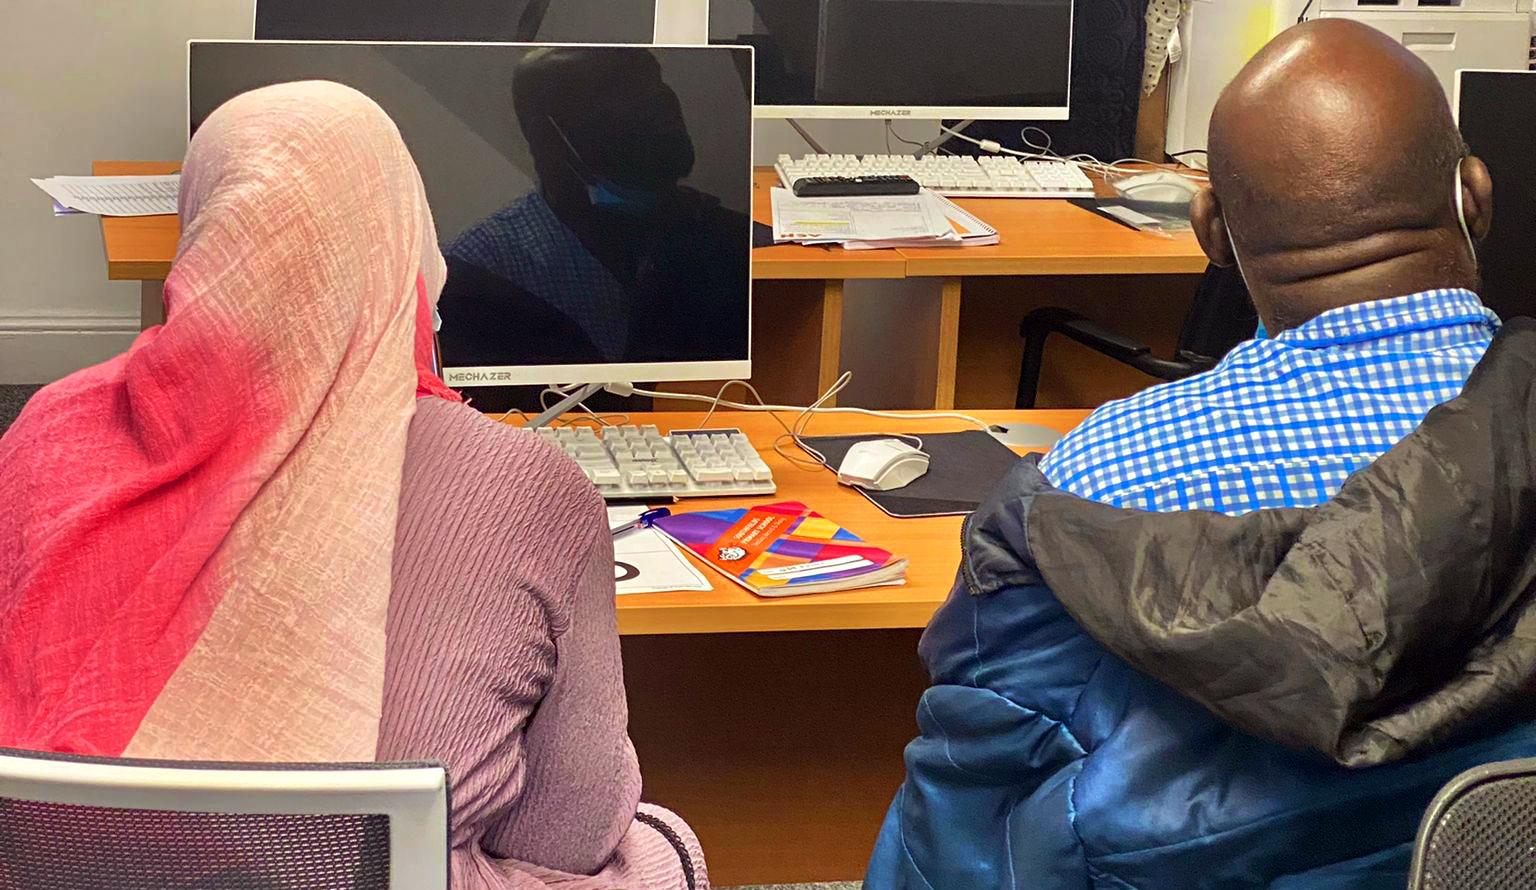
(1399, 614)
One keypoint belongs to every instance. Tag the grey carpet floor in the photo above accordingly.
(13, 397)
(11, 400)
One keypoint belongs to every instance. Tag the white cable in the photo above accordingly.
(869, 412)
(795, 431)
(1044, 153)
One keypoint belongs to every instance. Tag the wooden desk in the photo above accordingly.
(1039, 238)
(801, 313)
(806, 299)
(932, 546)
(783, 749)
(140, 248)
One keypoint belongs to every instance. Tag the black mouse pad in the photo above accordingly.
(963, 468)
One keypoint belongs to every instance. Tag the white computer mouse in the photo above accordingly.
(1159, 187)
(882, 464)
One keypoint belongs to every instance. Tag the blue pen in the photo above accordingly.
(644, 520)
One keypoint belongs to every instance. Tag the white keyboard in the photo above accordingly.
(956, 176)
(638, 462)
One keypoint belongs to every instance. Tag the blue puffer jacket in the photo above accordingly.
(1133, 700)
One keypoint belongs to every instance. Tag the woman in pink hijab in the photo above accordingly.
(268, 532)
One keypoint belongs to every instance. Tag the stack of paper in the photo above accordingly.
(864, 223)
(112, 195)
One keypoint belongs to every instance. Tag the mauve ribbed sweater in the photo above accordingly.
(503, 663)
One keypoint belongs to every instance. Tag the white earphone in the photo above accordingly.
(1236, 257)
(1461, 212)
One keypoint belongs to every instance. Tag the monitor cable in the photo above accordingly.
(1044, 152)
(795, 430)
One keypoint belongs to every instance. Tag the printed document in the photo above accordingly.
(113, 195)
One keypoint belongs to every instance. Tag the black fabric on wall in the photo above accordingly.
(1108, 43)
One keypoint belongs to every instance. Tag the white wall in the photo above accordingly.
(1219, 38)
(83, 80)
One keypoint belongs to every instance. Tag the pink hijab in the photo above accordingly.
(197, 535)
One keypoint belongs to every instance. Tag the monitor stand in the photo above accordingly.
(1024, 435)
(564, 405)
(927, 148)
(932, 145)
(805, 134)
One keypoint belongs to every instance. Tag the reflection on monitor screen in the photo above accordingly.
(593, 203)
(1492, 109)
(904, 58)
(548, 21)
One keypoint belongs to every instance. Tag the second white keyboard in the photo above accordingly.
(955, 176)
(638, 462)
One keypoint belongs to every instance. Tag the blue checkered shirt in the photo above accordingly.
(1280, 422)
(528, 245)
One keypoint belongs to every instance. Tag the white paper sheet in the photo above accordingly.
(646, 561)
(967, 230)
(835, 220)
(114, 195)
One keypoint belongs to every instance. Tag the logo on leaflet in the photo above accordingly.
(732, 554)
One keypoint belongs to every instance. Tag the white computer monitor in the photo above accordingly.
(593, 202)
(893, 59)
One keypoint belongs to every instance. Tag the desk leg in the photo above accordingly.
(151, 304)
(830, 365)
(797, 344)
(949, 344)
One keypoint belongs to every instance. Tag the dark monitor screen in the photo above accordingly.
(490, 21)
(593, 203)
(1497, 114)
(997, 54)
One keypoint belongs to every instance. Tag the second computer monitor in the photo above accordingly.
(593, 203)
(896, 59)
(1493, 110)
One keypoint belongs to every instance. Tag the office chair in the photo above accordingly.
(89, 823)
(1480, 831)
(1221, 317)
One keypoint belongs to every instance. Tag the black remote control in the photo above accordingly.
(854, 186)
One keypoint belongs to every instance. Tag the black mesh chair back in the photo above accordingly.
(1221, 316)
(51, 846)
(1480, 831)
(71, 823)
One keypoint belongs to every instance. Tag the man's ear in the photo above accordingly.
(1211, 228)
(1477, 196)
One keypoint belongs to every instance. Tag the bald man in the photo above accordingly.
(1342, 190)
(1168, 697)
